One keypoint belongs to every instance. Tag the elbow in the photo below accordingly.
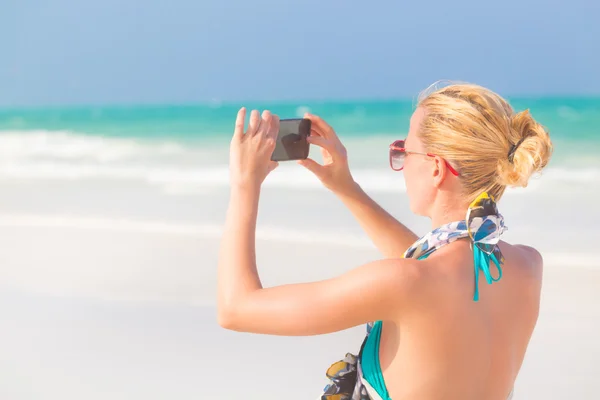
(225, 318)
(235, 313)
(228, 317)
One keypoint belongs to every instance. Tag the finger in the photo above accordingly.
(312, 166)
(265, 126)
(320, 125)
(275, 126)
(322, 143)
(272, 165)
(254, 123)
(238, 131)
(316, 133)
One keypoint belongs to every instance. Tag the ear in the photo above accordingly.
(439, 171)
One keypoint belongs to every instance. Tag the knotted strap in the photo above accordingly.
(483, 226)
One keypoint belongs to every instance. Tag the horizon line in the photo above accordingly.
(281, 101)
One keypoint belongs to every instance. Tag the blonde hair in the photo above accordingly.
(479, 133)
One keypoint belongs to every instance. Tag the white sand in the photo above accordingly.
(109, 294)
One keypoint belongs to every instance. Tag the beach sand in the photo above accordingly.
(107, 291)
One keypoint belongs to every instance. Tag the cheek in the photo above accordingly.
(416, 188)
(412, 176)
(413, 194)
(414, 185)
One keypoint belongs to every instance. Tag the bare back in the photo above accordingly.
(448, 346)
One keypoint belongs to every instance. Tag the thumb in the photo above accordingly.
(312, 166)
(272, 165)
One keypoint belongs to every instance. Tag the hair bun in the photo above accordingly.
(528, 152)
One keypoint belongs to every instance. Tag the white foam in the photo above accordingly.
(69, 146)
(181, 169)
(188, 179)
(196, 178)
(580, 175)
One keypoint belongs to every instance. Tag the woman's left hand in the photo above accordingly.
(250, 152)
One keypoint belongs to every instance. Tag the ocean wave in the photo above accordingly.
(67, 145)
(185, 179)
(185, 168)
(191, 179)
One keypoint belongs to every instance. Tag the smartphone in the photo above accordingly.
(291, 140)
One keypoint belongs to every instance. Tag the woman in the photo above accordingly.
(433, 331)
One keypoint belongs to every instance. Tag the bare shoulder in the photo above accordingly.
(531, 258)
(532, 253)
(528, 268)
(395, 272)
(401, 283)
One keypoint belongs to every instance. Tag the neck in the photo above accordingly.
(448, 211)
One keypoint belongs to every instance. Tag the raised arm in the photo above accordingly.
(390, 236)
(375, 291)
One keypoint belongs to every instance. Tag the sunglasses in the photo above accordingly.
(398, 153)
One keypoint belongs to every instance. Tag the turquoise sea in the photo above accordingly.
(186, 145)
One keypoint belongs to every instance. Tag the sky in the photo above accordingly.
(71, 52)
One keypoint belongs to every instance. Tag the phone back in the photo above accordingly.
(291, 140)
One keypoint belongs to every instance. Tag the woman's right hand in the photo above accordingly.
(335, 172)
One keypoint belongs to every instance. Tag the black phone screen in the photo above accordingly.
(291, 140)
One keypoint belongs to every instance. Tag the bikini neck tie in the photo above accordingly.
(483, 226)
